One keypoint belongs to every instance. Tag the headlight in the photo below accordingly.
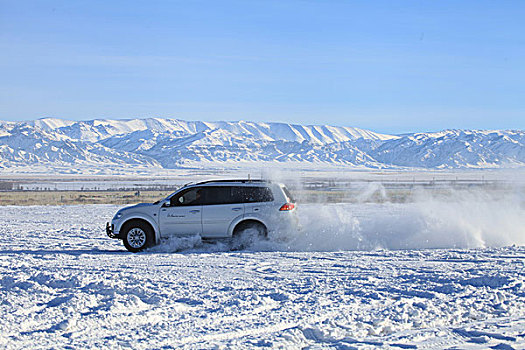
(117, 216)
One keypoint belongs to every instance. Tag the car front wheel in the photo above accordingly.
(137, 236)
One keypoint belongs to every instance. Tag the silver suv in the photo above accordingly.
(211, 209)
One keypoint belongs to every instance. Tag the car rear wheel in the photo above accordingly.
(137, 236)
(247, 233)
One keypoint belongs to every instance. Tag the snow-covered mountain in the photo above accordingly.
(171, 143)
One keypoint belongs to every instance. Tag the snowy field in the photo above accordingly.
(402, 276)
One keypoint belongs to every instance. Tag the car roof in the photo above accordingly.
(244, 181)
(236, 182)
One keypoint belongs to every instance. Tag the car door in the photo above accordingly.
(183, 215)
(220, 208)
(258, 202)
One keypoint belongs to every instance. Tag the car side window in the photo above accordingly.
(192, 196)
(214, 195)
(256, 194)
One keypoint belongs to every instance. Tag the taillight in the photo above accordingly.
(287, 207)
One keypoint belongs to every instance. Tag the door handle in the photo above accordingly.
(236, 209)
(194, 211)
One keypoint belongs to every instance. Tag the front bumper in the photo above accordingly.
(110, 230)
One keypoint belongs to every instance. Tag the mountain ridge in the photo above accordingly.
(174, 143)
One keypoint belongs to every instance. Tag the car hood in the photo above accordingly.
(137, 206)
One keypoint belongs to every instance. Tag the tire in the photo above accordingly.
(137, 235)
(246, 233)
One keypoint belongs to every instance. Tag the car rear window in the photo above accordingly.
(291, 199)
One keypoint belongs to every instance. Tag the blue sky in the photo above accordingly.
(390, 66)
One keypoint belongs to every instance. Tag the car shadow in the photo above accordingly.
(75, 252)
(78, 252)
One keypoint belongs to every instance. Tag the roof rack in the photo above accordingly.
(241, 181)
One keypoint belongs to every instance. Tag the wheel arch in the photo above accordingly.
(143, 219)
(244, 221)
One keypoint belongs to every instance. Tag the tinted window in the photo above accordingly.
(288, 195)
(219, 195)
(192, 196)
(211, 195)
(256, 194)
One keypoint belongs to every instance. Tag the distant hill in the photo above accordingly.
(94, 145)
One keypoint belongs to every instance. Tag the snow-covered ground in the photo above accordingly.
(358, 276)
